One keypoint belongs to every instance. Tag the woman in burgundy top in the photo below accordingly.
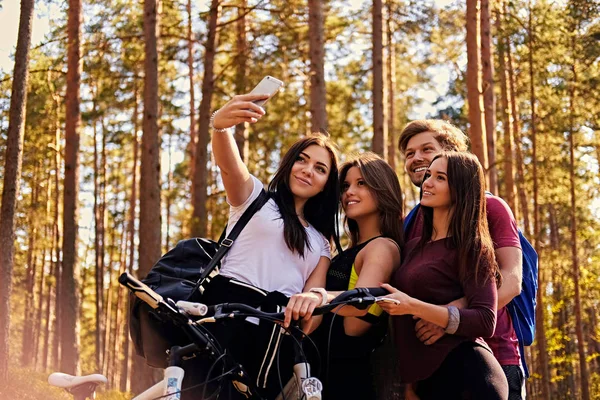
(453, 258)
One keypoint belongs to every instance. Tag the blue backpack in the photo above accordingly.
(522, 307)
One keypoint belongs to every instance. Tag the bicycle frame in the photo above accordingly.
(300, 387)
(170, 385)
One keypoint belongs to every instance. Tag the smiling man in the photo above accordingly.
(420, 141)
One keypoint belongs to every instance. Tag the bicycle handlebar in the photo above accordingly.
(355, 297)
(141, 290)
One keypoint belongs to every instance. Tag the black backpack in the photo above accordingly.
(180, 274)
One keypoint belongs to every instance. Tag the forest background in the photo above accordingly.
(105, 145)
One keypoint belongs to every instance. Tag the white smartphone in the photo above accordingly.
(268, 85)
(387, 300)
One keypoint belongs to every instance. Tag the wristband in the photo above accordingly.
(323, 293)
(212, 124)
(453, 320)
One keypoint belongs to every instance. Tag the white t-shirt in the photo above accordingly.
(260, 255)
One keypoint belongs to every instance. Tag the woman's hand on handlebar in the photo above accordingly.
(239, 109)
(301, 305)
(399, 304)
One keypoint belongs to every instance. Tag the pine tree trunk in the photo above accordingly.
(150, 212)
(379, 128)
(57, 239)
(31, 274)
(316, 38)
(69, 301)
(98, 253)
(125, 365)
(168, 194)
(199, 197)
(489, 99)
(517, 137)
(241, 69)
(47, 324)
(477, 131)
(190, 62)
(583, 370)
(391, 82)
(12, 174)
(508, 182)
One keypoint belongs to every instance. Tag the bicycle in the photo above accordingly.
(301, 386)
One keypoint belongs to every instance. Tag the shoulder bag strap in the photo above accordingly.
(225, 244)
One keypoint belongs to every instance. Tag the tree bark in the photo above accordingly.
(150, 212)
(316, 37)
(508, 181)
(27, 347)
(190, 62)
(241, 63)
(517, 137)
(12, 174)
(583, 370)
(489, 99)
(199, 197)
(391, 82)
(69, 301)
(98, 210)
(56, 234)
(477, 131)
(379, 128)
(125, 365)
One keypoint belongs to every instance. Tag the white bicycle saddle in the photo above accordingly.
(67, 381)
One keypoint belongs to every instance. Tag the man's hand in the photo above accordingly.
(428, 332)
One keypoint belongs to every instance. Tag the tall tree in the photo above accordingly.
(190, 63)
(124, 384)
(316, 39)
(508, 181)
(379, 128)
(391, 82)
(69, 301)
(583, 367)
(489, 99)
(475, 99)
(149, 248)
(12, 173)
(199, 186)
(541, 337)
(241, 71)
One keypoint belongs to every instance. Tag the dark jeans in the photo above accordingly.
(470, 371)
(514, 376)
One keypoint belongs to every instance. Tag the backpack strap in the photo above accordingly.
(410, 218)
(225, 244)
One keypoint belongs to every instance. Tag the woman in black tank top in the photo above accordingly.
(371, 199)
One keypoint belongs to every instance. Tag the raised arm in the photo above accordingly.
(234, 172)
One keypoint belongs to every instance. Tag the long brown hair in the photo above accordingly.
(383, 183)
(321, 211)
(468, 228)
